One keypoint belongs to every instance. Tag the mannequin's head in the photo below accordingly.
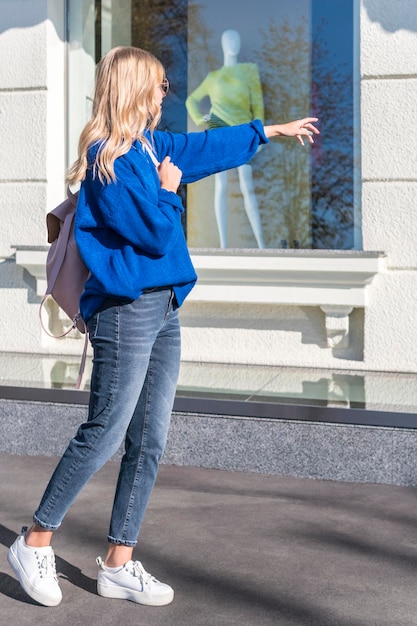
(231, 42)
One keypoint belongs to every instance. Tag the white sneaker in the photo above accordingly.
(132, 582)
(35, 569)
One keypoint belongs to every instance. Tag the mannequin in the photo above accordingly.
(236, 98)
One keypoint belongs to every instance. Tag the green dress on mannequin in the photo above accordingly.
(235, 98)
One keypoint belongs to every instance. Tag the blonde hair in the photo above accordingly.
(123, 109)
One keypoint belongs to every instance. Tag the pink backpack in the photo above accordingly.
(66, 272)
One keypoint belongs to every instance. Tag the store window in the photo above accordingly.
(226, 63)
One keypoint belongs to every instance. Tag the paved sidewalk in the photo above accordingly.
(239, 549)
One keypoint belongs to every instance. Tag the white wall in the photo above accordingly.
(389, 178)
(32, 151)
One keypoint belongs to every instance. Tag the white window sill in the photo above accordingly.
(302, 277)
(334, 280)
(33, 260)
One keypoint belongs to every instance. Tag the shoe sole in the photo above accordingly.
(123, 593)
(26, 585)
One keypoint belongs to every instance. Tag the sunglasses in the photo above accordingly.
(164, 86)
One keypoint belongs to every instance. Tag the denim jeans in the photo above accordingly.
(136, 348)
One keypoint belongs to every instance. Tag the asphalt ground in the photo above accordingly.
(239, 549)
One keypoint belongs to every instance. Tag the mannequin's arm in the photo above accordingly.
(256, 97)
(193, 101)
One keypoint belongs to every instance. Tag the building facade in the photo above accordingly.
(347, 304)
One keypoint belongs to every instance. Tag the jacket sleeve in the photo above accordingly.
(211, 151)
(133, 208)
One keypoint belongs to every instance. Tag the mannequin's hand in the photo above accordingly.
(298, 128)
(169, 174)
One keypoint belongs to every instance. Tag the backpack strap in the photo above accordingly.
(76, 320)
(72, 197)
(83, 360)
(74, 326)
(151, 154)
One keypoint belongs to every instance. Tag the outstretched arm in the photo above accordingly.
(298, 128)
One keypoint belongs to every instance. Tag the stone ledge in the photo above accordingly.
(301, 277)
(281, 447)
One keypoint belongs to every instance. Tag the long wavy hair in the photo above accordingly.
(123, 109)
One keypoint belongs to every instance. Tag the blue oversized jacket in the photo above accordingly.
(129, 232)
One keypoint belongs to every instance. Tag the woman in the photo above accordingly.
(128, 229)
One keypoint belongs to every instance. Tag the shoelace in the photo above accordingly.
(139, 571)
(47, 565)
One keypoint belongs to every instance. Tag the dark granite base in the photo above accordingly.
(276, 447)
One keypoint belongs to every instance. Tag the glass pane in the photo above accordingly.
(94, 27)
(81, 68)
(287, 196)
(332, 198)
(160, 26)
(374, 391)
